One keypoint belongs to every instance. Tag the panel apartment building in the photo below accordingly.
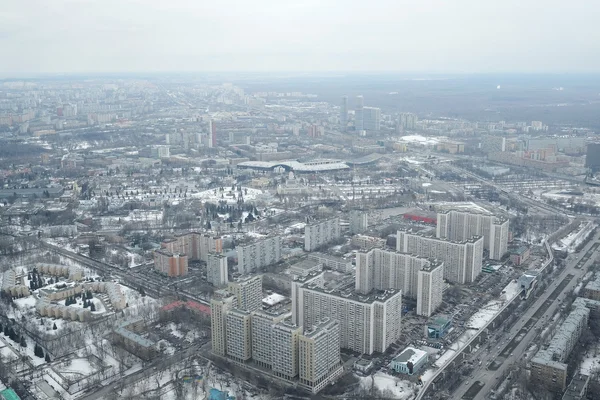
(462, 260)
(195, 245)
(320, 233)
(417, 277)
(462, 225)
(310, 359)
(171, 264)
(248, 292)
(549, 367)
(260, 253)
(216, 270)
(368, 323)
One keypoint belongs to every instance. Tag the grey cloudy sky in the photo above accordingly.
(56, 36)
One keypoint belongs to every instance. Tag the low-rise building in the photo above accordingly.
(549, 367)
(519, 255)
(332, 262)
(127, 334)
(410, 361)
(438, 327)
(592, 289)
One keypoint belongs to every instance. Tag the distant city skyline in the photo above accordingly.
(429, 36)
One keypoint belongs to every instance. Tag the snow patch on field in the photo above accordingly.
(401, 389)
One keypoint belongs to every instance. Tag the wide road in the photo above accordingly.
(154, 286)
(148, 370)
(542, 207)
(511, 346)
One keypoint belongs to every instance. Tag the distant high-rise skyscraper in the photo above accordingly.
(371, 118)
(344, 114)
(408, 121)
(358, 113)
(212, 133)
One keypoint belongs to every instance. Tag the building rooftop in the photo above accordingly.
(318, 329)
(519, 250)
(593, 285)
(440, 320)
(577, 388)
(410, 354)
(430, 235)
(347, 291)
(556, 353)
(305, 265)
(142, 341)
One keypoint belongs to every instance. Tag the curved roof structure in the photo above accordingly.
(296, 166)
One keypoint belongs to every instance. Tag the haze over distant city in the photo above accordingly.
(464, 36)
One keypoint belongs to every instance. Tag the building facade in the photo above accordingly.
(320, 233)
(216, 270)
(460, 225)
(548, 366)
(239, 335)
(319, 355)
(368, 323)
(462, 260)
(344, 114)
(262, 336)
(248, 292)
(196, 245)
(171, 264)
(417, 277)
(371, 118)
(358, 221)
(263, 252)
(220, 305)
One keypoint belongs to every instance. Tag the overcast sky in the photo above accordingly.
(63, 36)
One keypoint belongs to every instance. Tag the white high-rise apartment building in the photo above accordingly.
(367, 323)
(344, 114)
(358, 113)
(462, 225)
(320, 233)
(358, 221)
(408, 121)
(284, 347)
(262, 336)
(381, 269)
(371, 118)
(263, 252)
(319, 355)
(239, 335)
(248, 292)
(462, 260)
(216, 269)
(220, 305)
(430, 287)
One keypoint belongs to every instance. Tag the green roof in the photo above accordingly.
(9, 394)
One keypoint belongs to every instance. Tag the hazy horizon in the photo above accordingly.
(381, 36)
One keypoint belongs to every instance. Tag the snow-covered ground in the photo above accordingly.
(575, 238)
(401, 389)
(490, 310)
(591, 361)
(214, 195)
(486, 314)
